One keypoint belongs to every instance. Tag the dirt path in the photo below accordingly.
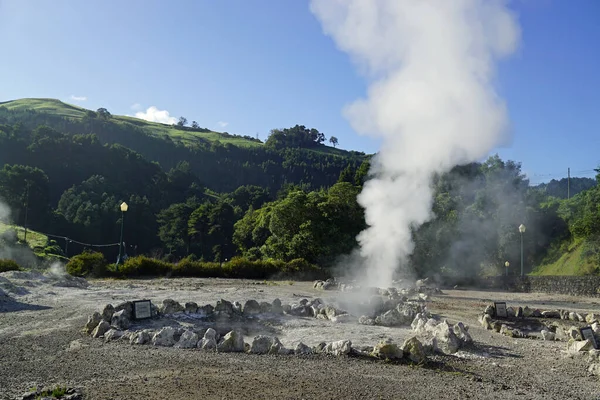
(41, 343)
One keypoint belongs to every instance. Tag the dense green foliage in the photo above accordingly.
(203, 207)
(8, 265)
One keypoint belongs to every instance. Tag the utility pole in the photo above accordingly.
(568, 183)
(26, 210)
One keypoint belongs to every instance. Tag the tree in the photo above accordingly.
(195, 125)
(182, 121)
(334, 141)
(103, 113)
(347, 175)
(25, 190)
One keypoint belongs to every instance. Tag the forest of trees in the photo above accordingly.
(282, 202)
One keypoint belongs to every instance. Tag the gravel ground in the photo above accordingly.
(41, 343)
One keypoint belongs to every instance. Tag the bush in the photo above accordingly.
(87, 264)
(144, 266)
(8, 265)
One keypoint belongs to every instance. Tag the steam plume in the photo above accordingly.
(430, 65)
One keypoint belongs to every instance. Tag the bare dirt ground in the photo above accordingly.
(41, 344)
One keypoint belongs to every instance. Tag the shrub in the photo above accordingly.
(144, 266)
(87, 264)
(8, 265)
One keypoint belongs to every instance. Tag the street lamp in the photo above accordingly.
(124, 207)
(507, 264)
(522, 231)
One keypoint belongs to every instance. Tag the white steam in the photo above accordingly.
(4, 213)
(431, 100)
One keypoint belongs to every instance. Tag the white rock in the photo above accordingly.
(188, 340)
(486, 321)
(462, 332)
(261, 344)
(414, 348)
(120, 320)
(594, 355)
(301, 348)
(232, 342)
(113, 334)
(596, 328)
(592, 317)
(93, 322)
(170, 306)
(101, 329)
(164, 337)
(594, 369)
(338, 348)
(140, 337)
(209, 341)
(447, 341)
(579, 345)
(548, 335)
(387, 349)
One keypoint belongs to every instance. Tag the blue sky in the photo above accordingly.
(249, 66)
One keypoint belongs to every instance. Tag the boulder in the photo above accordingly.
(141, 337)
(592, 317)
(191, 308)
(573, 316)
(342, 318)
(170, 306)
(188, 340)
(594, 355)
(329, 311)
(113, 334)
(547, 335)
(127, 307)
(390, 318)
(527, 312)
(486, 321)
(594, 369)
(232, 342)
(101, 329)
(300, 310)
(92, 322)
(551, 314)
(107, 313)
(338, 348)
(490, 310)
(120, 320)
(206, 310)
(581, 317)
(165, 337)
(418, 324)
(596, 328)
(447, 341)
(287, 308)
(224, 309)
(364, 320)
(318, 284)
(462, 332)
(301, 348)
(265, 307)
(209, 341)
(414, 349)
(237, 307)
(251, 307)
(519, 312)
(576, 346)
(536, 313)
(261, 344)
(574, 333)
(276, 307)
(387, 349)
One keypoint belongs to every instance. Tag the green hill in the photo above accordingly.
(572, 262)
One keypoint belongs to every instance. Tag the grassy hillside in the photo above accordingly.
(572, 262)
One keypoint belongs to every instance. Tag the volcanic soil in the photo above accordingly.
(42, 344)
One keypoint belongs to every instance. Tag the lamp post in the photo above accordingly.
(522, 231)
(507, 264)
(124, 207)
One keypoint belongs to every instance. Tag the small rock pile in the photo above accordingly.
(115, 323)
(441, 336)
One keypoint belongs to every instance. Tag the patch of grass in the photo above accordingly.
(56, 392)
(8, 265)
(570, 263)
(34, 239)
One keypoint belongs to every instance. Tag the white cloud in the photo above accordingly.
(222, 124)
(153, 114)
(78, 98)
(136, 106)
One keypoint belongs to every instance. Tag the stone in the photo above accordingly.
(141, 337)
(387, 350)
(101, 329)
(536, 313)
(206, 310)
(107, 312)
(277, 347)
(276, 307)
(170, 306)
(510, 312)
(120, 320)
(364, 320)
(251, 307)
(594, 369)
(320, 348)
(165, 337)
(486, 321)
(573, 333)
(261, 344)
(573, 316)
(342, 318)
(188, 340)
(576, 346)
(301, 348)
(191, 308)
(127, 307)
(113, 334)
(287, 308)
(581, 317)
(265, 307)
(414, 348)
(224, 309)
(300, 310)
(519, 312)
(237, 307)
(547, 335)
(329, 311)
(418, 324)
(592, 317)
(232, 342)
(209, 341)
(390, 318)
(92, 322)
(594, 355)
(596, 328)
(527, 312)
(462, 332)
(490, 310)
(447, 341)
(318, 284)
(551, 314)
(338, 348)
